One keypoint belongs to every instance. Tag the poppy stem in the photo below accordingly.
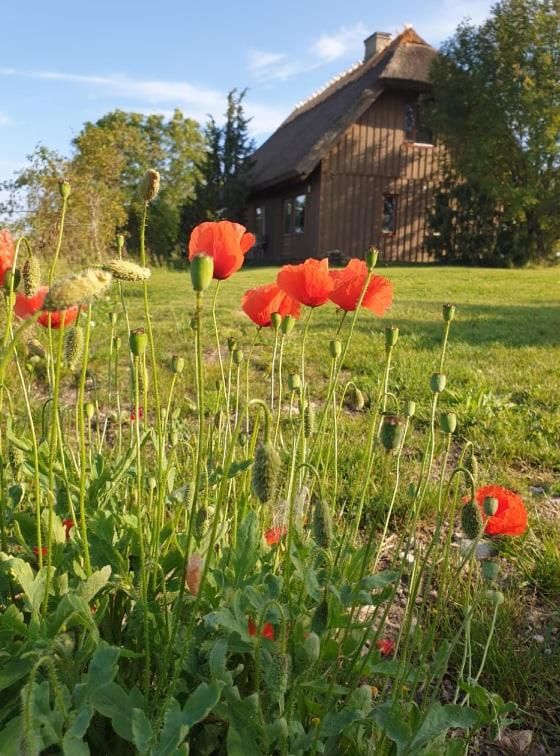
(217, 334)
(59, 242)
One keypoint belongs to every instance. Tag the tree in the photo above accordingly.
(496, 106)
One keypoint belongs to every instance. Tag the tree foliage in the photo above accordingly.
(497, 108)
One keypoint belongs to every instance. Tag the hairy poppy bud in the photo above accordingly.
(231, 344)
(124, 270)
(495, 597)
(243, 438)
(77, 289)
(237, 356)
(195, 566)
(288, 323)
(448, 422)
(410, 409)
(490, 570)
(173, 438)
(392, 432)
(490, 506)
(11, 280)
(437, 382)
(320, 619)
(448, 312)
(265, 472)
(113, 318)
(89, 409)
(471, 464)
(294, 382)
(322, 524)
(31, 276)
(471, 520)
(391, 336)
(371, 258)
(143, 379)
(177, 364)
(16, 458)
(279, 675)
(74, 347)
(308, 420)
(64, 189)
(202, 270)
(276, 320)
(152, 483)
(149, 186)
(120, 243)
(335, 348)
(354, 399)
(312, 647)
(117, 342)
(138, 341)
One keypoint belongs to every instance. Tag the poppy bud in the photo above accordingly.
(177, 364)
(149, 186)
(294, 382)
(173, 438)
(392, 432)
(231, 344)
(237, 356)
(437, 382)
(242, 439)
(410, 409)
(113, 317)
(490, 570)
(265, 472)
(495, 597)
(320, 619)
(276, 320)
(471, 464)
(490, 506)
(308, 420)
(195, 566)
(471, 520)
(312, 647)
(74, 347)
(335, 348)
(11, 280)
(117, 341)
(202, 270)
(322, 524)
(279, 675)
(64, 189)
(193, 324)
(448, 422)
(16, 458)
(391, 336)
(31, 276)
(152, 483)
(138, 341)
(77, 288)
(354, 399)
(120, 243)
(89, 410)
(124, 270)
(371, 258)
(448, 312)
(288, 323)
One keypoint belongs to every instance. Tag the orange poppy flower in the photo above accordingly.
(308, 283)
(26, 307)
(266, 632)
(7, 252)
(349, 283)
(259, 304)
(68, 525)
(386, 646)
(226, 242)
(511, 516)
(275, 535)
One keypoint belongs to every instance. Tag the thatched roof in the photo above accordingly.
(298, 145)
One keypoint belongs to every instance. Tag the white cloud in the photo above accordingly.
(5, 120)
(346, 40)
(259, 59)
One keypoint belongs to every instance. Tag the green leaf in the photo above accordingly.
(438, 720)
(141, 731)
(173, 733)
(391, 720)
(217, 659)
(247, 545)
(103, 667)
(335, 722)
(381, 580)
(200, 703)
(95, 582)
(12, 671)
(10, 737)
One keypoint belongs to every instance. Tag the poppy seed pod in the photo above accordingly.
(237, 356)
(294, 382)
(392, 432)
(266, 468)
(89, 409)
(448, 422)
(149, 186)
(437, 382)
(322, 524)
(31, 276)
(276, 320)
(372, 256)
(391, 336)
(138, 341)
(471, 520)
(335, 348)
(287, 325)
(495, 597)
(490, 570)
(448, 312)
(410, 409)
(202, 270)
(177, 364)
(64, 189)
(490, 506)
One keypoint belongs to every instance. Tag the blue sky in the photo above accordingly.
(62, 63)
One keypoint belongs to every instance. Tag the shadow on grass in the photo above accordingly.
(510, 325)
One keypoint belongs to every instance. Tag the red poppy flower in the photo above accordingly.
(44, 551)
(349, 283)
(7, 251)
(511, 516)
(26, 307)
(226, 242)
(68, 525)
(266, 632)
(261, 302)
(275, 535)
(386, 646)
(308, 283)
(134, 414)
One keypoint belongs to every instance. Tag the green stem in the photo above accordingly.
(81, 431)
(59, 242)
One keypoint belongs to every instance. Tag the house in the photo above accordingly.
(352, 166)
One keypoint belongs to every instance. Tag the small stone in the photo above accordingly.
(538, 638)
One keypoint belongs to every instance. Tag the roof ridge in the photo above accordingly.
(320, 91)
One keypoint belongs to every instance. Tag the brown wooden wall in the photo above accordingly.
(370, 160)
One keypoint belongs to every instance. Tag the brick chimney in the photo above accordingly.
(375, 43)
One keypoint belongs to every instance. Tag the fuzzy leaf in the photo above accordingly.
(335, 722)
(438, 720)
(246, 548)
(141, 731)
(201, 702)
(95, 582)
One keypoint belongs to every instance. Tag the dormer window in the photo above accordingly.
(415, 130)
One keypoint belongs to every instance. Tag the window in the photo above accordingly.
(414, 129)
(299, 214)
(389, 219)
(288, 213)
(260, 223)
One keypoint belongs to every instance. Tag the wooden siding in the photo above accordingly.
(278, 246)
(370, 160)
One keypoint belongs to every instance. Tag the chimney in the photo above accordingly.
(375, 43)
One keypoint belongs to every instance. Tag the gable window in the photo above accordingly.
(299, 214)
(389, 218)
(288, 215)
(260, 223)
(415, 130)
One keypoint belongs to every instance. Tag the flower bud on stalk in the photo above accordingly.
(64, 189)
(322, 524)
(335, 348)
(448, 312)
(495, 597)
(120, 243)
(138, 341)
(320, 619)
(490, 570)
(113, 318)
(437, 382)
(312, 647)
(448, 422)
(372, 256)
(392, 432)
(74, 347)
(266, 468)
(123, 270)
(177, 364)
(471, 464)
(294, 382)
(237, 356)
(490, 506)
(149, 187)
(195, 566)
(279, 675)
(355, 399)
(391, 336)
(117, 342)
(288, 323)
(11, 280)
(471, 520)
(231, 344)
(77, 289)
(308, 420)
(31, 273)
(202, 270)
(276, 320)
(89, 409)
(410, 409)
